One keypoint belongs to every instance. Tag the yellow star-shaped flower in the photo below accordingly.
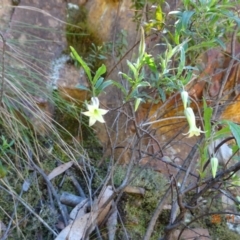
(94, 112)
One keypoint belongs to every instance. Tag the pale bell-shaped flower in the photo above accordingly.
(94, 112)
(193, 130)
(184, 96)
(214, 165)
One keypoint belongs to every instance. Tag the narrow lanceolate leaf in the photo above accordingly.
(235, 129)
(126, 77)
(149, 60)
(133, 69)
(82, 87)
(207, 119)
(159, 17)
(83, 64)
(142, 44)
(99, 73)
(214, 165)
(99, 82)
(105, 84)
(222, 133)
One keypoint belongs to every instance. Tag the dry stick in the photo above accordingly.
(175, 221)
(178, 203)
(76, 185)
(154, 139)
(3, 66)
(161, 204)
(175, 206)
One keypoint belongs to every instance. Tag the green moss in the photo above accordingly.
(137, 209)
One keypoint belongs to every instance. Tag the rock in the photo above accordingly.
(69, 81)
(36, 28)
(34, 113)
(33, 33)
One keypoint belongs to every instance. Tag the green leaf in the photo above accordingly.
(142, 44)
(222, 133)
(133, 69)
(101, 70)
(207, 119)
(104, 85)
(79, 86)
(162, 94)
(143, 84)
(149, 60)
(83, 64)
(99, 82)
(182, 61)
(185, 21)
(235, 129)
(127, 77)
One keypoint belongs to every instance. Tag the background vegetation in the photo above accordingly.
(41, 131)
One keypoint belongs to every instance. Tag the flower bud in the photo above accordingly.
(214, 165)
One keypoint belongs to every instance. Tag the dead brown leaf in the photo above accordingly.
(59, 170)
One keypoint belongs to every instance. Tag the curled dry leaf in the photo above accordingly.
(79, 210)
(59, 170)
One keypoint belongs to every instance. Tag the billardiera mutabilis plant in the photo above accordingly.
(136, 80)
